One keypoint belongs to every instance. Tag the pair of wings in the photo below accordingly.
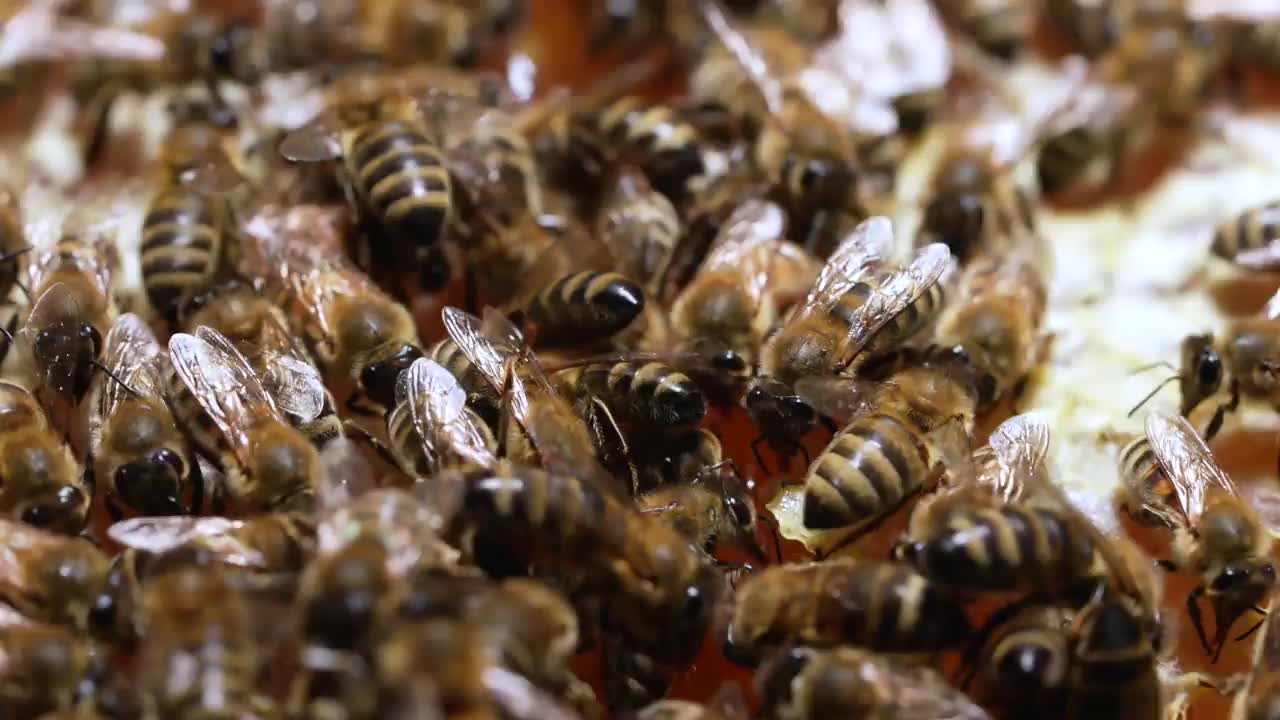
(1189, 466)
(860, 258)
(437, 405)
(224, 383)
(751, 240)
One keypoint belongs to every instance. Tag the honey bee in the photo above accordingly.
(995, 320)
(44, 485)
(640, 227)
(72, 309)
(1250, 238)
(728, 307)
(48, 577)
(1170, 478)
(1000, 27)
(268, 463)
(431, 428)
(1113, 664)
(583, 307)
(708, 515)
(1085, 148)
(559, 437)
(1027, 660)
(638, 392)
(266, 543)
(135, 441)
(260, 331)
(728, 703)
(354, 327)
(884, 607)
(806, 684)
(188, 232)
(194, 618)
(883, 456)
(13, 243)
(46, 668)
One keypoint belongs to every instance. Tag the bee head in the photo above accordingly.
(778, 410)
(1201, 371)
(153, 484)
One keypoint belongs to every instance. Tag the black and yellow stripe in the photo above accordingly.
(866, 471)
(586, 306)
(182, 251)
(650, 393)
(403, 178)
(1252, 229)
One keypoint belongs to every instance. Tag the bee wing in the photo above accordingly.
(893, 295)
(345, 473)
(222, 382)
(486, 343)
(318, 141)
(57, 302)
(437, 404)
(131, 352)
(743, 243)
(1187, 462)
(1272, 309)
(838, 397)
(163, 534)
(748, 58)
(292, 381)
(870, 243)
(1020, 445)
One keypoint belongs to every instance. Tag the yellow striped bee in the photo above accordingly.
(1170, 477)
(431, 429)
(1251, 238)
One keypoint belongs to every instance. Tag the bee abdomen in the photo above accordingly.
(403, 176)
(654, 393)
(181, 244)
(584, 307)
(534, 502)
(404, 442)
(1250, 230)
(868, 469)
(907, 323)
(888, 607)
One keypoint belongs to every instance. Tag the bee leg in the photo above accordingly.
(755, 451)
(1244, 635)
(1193, 610)
(1220, 413)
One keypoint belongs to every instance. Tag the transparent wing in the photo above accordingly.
(57, 303)
(218, 535)
(317, 142)
(853, 261)
(748, 58)
(222, 382)
(489, 354)
(1020, 446)
(893, 295)
(131, 353)
(437, 404)
(840, 398)
(289, 378)
(1187, 462)
(744, 241)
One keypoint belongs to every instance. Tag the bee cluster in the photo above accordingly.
(424, 408)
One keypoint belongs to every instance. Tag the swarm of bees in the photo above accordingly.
(430, 403)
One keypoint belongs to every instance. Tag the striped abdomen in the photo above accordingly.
(183, 239)
(481, 396)
(650, 393)
(648, 128)
(1145, 483)
(205, 435)
(904, 325)
(407, 445)
(402, 177)
(866, 471)
(588, 306)
(1005, 548)
(1250, 230)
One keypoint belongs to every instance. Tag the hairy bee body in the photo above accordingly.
(1138, 462)
(884, 607)
(1027, 660)
(402, 177)
(481, 397)
(1253, 229)
(184, 246)
(586, 306)
(43, 485)
(47, 668)
(1113, 667)
(650, 394)
(658, 139)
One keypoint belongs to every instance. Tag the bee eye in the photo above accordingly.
(1228, 578)
(1209, 369)
(95, 338)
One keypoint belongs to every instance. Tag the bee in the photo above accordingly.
(194, 617)
(1251, 238)
(1170, 477)
(188, 233)
(1000, 27)
(884, 607)
(259, 330)
(806, 683)
(995, 319)
(266, 543)
(135, 441)
(46, 667)
(1113, 664)
(354, 327)
(71, 311)
(268, 463)
(583, 307)
(1027, 660)
(44, 485)
(726, 310)
(640, 227)
(638, 392)
(884, 454)
(431, 428)
(49, 577)
(728, 703)
(1085, 149)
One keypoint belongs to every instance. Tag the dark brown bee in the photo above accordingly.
(135, 442)
(648, 394)
(583, 307)
(43, 485)
(187, 233)
(268, 463)
(72, 309)
(883, 607)
(1250, 239)
(1087, 152)
(354, 328)
(1027, 660)
(808, 684)
(431, 429)
(1113, 665)
(49, 577)
(1170, 477)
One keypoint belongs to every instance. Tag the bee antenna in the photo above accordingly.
(1151, 394)
(108, 373)
(7, 334)
(1153, 366)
